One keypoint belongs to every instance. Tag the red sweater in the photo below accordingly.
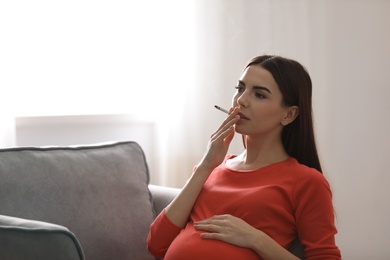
(284, 200)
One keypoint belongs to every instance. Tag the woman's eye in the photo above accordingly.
(239, 89)
(259, 95)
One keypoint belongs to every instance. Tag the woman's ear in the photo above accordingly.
(291, 113)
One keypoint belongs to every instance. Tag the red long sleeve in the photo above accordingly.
(162, 233)
(284, 200)
(315, 217)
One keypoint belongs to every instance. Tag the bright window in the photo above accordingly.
(93, 57)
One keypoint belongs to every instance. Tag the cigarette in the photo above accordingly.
(221, 109)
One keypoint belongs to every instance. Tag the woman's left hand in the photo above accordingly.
(229, 229)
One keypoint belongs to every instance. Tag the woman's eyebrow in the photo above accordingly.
(240, 82)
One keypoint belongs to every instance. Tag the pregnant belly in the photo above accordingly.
(190, 246)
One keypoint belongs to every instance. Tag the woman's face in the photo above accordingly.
(260, 102)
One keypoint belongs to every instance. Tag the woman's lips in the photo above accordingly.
(243, 116)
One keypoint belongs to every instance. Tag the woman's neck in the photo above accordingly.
(260, 153)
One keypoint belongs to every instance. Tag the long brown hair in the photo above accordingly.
(295, 85)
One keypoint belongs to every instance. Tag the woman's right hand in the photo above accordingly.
(219, 142)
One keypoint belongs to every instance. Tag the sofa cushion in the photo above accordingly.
(99, 192)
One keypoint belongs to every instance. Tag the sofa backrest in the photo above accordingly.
(99, 192)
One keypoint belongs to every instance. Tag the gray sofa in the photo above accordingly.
(83, 202)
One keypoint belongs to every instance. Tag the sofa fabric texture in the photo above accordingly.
(97, 194)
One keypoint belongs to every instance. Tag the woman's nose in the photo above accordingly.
(243, 100)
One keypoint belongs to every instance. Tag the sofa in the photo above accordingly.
(78, 202)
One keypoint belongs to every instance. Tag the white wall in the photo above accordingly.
(354, 104)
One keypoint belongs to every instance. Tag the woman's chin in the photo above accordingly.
(239, 130)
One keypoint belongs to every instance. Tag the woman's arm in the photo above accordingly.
(314, 214)
(174, 217)
(180, 208)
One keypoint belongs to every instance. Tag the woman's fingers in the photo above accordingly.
(229, 121)
(225, 129)
(220, 141)
(226, 228)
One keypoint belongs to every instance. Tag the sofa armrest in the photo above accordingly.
(30, 239)
(162, 196)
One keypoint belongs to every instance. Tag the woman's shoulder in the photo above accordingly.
(304, 174)
(310, 186)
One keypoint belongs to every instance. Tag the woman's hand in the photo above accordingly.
(219, 142)
(229, 229)
(236, 231)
